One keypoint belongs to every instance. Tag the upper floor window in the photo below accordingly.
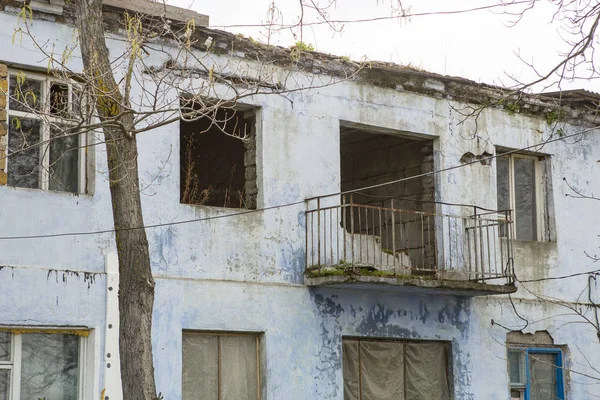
(45, 150)
(535, 373)
(41, 365)
(521, 188)
(221, 366)
(218, 157)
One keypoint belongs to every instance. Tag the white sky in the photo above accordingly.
(478, 45)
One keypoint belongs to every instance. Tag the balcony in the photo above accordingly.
(372, 242)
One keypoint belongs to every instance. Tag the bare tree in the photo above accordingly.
(190, 82)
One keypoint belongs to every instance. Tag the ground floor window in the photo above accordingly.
(395, 370)
(221, 366)
(39, 365)
(535, 373)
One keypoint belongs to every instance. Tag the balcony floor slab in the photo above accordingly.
(405, 285)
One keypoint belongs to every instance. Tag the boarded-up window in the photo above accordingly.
(221, 366)
(395, 370)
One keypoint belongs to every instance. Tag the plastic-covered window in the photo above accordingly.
(395, 370)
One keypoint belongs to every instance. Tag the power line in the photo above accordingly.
(374, 19)
(189, 221)
(558, 277)
(476, 161)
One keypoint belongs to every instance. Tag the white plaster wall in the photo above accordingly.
(245, 273)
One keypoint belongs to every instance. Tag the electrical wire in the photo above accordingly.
(235, 214)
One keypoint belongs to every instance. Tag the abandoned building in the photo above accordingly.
(356, 240)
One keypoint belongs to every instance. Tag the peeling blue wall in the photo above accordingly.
(245, 273)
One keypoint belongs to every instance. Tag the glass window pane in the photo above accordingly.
(542, 374)
(4, 384)
(525, 201)
(64, 161)
(516, 361)
(25, 95)
(59, 99)
(517, 394)
(239, 379)
(503, 183)
(23, 140)
(4, 346)
(200, 367)
(50, 367)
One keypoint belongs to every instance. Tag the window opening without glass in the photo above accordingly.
(218, 158)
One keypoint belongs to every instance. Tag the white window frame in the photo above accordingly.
(47, 81)
(14, 364)
(540, 193)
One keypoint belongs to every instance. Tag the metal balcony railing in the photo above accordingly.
(440, 240)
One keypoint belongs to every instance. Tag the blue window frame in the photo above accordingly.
(536, 373)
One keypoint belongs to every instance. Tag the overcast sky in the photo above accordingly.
(478, 45)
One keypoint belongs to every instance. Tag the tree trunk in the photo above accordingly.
(136, 288)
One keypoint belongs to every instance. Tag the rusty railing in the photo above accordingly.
(399, 236)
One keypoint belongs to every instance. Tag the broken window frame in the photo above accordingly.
(219, 335)
(47, 121)
(540, 193)
(524, 354)
(14, 364)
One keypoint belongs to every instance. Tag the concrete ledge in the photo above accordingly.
(158, 8)
(458, 288)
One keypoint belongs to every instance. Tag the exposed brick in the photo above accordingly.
(3, 92)
(2, 156)
(250, 173)
(3, 71)
(249, 158)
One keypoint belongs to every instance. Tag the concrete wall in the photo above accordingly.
(245, 273)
